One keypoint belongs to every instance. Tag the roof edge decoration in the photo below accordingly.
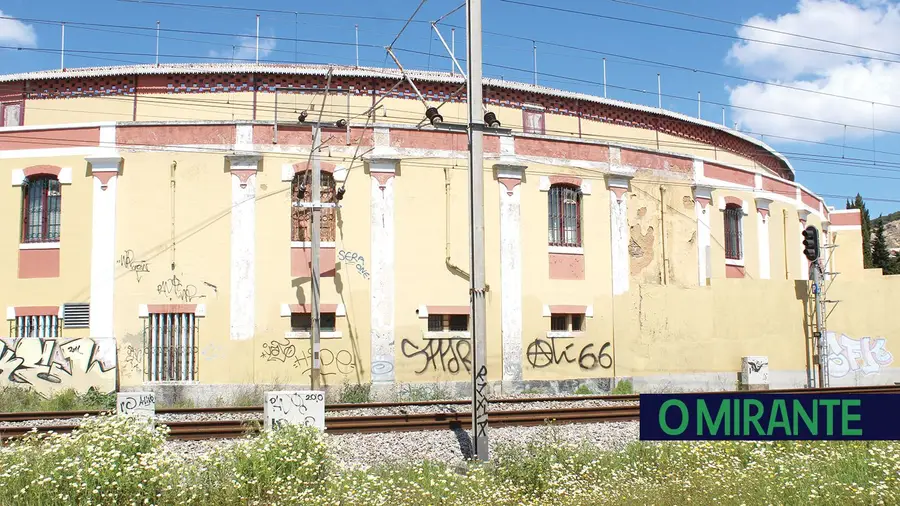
(369, 72)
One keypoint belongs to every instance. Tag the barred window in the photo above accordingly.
(302, 322)
(41, 205)
(565, 215)
(448, 323)
(301, 217)
(172, 347)
(733, 241)
(567, 322)
(35, 326)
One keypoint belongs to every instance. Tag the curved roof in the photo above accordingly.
(370, 72)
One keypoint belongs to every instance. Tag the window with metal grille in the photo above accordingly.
(41, 202)
(301, 217)
(567, 323)
(533, 121)
(76, 315)
(34, 326)
(172, 347)
(302, 322)
(448, 323)
(565, 215)
(733, 240)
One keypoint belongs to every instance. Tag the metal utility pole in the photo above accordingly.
(315, 372)
(62, 50)
(604, 78)
(476, 233)
(257, 39)
(452, 50)
(816, 271)
(356, 27)
(534, 50)
(157, 43)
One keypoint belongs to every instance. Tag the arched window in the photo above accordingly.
(564, 213)
(733, 240)
(301, 217)
(41, 205)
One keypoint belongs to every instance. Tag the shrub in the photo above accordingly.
(583, 390)
(623, 387)
(353, 393)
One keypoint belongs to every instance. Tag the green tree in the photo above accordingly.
(881, 256)
(858, 203)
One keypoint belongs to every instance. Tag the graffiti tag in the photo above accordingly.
(339, 362)
(127, 261)
(174, 288)
(49, 364)
(544, 353)
(450, 355)
(846, 355)
(350, 258)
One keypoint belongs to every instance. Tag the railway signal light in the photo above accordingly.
(811, 243)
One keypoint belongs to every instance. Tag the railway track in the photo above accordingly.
(212, 429)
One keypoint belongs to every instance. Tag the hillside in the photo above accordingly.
(891, 229)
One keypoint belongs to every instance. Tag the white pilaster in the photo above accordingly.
(619, 232)
(382, 275)
(243, 245)
(103, 243)
(703, 210)
(509, 178)
(762, 228)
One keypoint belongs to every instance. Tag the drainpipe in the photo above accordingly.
(787, 274)
(450, 264)
(662, 219)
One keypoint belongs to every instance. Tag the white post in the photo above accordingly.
(659, 90)
(452, 51)
(62, 52)
(534, 50)
(257, 39)
(476, 234)
(157, 43)
(604, 78)
(723, 116)
(698, 105)
(356, 28)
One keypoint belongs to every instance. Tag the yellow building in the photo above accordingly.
(155, 241)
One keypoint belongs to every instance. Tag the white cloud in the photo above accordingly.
(868, 23)
(13, 31)
(244, 50)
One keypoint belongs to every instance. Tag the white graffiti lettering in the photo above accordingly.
(846, 355)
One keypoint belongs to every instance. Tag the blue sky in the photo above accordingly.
(840, 162)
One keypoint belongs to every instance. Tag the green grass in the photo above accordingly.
(623, 387)
(583, 390)
(117, 460)
(353, 393)
(424, 392)
(17, 399)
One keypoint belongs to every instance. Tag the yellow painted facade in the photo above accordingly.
(176, 241)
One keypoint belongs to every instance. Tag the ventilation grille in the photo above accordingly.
(76, 316)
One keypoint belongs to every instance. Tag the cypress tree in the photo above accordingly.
(858, 203)
(881, 257)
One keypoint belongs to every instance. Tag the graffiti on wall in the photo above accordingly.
(49, 365)
(355, 259)
(173, 288)
(847, 355)
(543, 353)
(450, 354)
(127, 260)
(286, 352)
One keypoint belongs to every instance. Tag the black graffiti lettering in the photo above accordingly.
(543, 353)
(127, 261)
(444, 355)
(174, 288)
(481, 402)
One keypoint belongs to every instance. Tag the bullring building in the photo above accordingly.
(155, 237)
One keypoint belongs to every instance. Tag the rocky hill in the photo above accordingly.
(891, 229)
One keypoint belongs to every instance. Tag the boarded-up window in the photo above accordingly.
(11, 115)
(533, 121)
(301, 217)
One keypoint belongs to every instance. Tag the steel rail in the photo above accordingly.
(54, 415)
(209, 429)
